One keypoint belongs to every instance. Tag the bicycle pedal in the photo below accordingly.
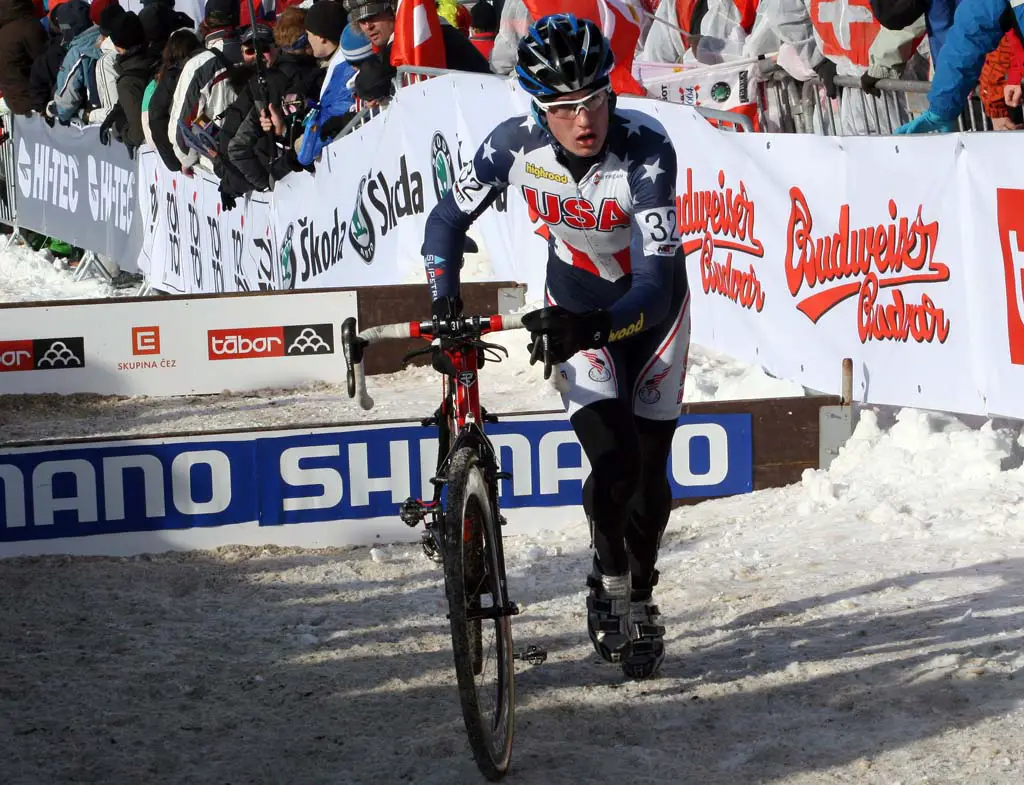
(531, 654)
(414, 511)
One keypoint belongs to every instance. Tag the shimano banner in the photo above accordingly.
(72, 187)
(356, 476)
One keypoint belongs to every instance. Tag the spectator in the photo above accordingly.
(159, 20)
(483, 28)
(261, 158)
(514, 21)
(977, 29)
(325, 23)
(376, 18)
(992, 83)
(374, 85)
(135, 66)
(356, 49)
(455, 14)
(204, 92)
(46, 68)
(1015, 72)
(106, 74)
(77, 89)
(23, 40)
(181, 47)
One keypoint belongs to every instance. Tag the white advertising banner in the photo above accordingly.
(906, 255)
(174, 346)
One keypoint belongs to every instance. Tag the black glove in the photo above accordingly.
(867, 84)
(826, 71)
(132, 149)
(445, 309)
(556, 334)
(332, 128)
(227, 201)
(105, 126)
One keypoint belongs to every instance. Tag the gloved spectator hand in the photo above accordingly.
(556, 334)
(867, 84)
(107, 124)
(331, 128)
(826, 71)
(227, 201)
(50, 113)
(132, 149)
(926, 123)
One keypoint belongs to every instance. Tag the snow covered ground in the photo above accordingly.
(26, 275)
(863, 626)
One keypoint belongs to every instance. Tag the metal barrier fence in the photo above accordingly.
(8, 188)
(789, 106)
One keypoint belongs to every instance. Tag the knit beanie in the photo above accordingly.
(374, 79)
(128, 32)
(221, 13)
(327, 19)
(355, 46)
(108, 17)
(483, 17)
(97, 7)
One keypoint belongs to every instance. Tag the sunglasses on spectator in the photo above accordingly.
(566, 109)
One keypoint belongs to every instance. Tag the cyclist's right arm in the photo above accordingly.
(478, 185)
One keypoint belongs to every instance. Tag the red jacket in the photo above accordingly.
(484, 42)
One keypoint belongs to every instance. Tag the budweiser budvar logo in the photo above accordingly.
(862, 262)
(722, 220)
(1010, 212)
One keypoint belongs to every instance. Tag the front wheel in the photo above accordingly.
(474, 568)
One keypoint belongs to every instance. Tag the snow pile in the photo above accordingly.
(26, 276)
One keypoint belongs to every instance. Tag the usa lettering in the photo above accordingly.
(575, 212)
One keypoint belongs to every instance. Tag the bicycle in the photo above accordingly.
(462, 520)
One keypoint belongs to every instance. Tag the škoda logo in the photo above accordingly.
(862, 262)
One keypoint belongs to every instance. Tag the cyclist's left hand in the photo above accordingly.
(566, 333)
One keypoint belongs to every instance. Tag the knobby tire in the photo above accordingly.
(474, 569)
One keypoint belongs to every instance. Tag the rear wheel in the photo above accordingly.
(474, 570)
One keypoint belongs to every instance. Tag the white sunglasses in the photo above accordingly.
(565, 109)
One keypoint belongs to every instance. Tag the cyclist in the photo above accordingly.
(617, 318)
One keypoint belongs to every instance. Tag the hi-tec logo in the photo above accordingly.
(543, 174)
(48, 175)
(246, 343)
(45, 354)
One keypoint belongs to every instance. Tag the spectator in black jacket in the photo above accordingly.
(260, 157)
(377, 20)
(134, 67)
(22, 41)
(180, 47)
(42, 80)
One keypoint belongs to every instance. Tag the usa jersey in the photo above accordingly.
(612, 237)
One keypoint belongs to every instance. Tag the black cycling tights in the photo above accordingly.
(627, 496)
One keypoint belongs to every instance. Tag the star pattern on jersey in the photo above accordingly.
(529, 123)
(488, 151)
(633, 126)
(518, 158)
(652, 171)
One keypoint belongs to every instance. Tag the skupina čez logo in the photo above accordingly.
(442, 169)
(360, 228)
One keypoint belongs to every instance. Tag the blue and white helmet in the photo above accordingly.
(562, 54)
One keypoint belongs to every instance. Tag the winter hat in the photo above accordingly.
(327, 19)
(128, 33)
(374, 79)
(221, 13)
(160, 20)
(264, 36)
(72, 18)
(108, 17)
(483, 17)
(355, 46)
(98, 7)
(364, 9)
